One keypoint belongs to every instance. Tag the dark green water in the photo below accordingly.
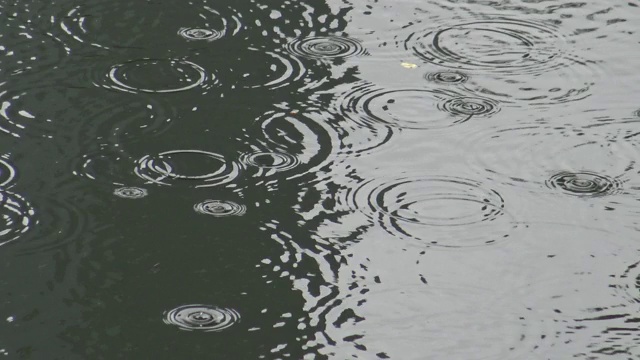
(319, 180)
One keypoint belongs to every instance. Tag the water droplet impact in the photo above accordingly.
(447, 77)
(584, 183)
(156, 76)
(201, 317)
(16, 216)
(194, 168)
(492, 45)
(220, 208)
(200, 34)
(437, 211)
(411, 108)
(468, 106)
(325, 47)
(270, 160)
(130, 192)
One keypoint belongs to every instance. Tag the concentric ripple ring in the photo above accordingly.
(436, 210)
(270, 160)
(469, 106)
(447, 77)
(168, 168)
(220, 208)
(585, 183)
(130, 192)
(201, 317)
(412, 108)
(169, 76)
(17, 216)
(491, 45)
(200, 34)
(7, 174)
(325, 47)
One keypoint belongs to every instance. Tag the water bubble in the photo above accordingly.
(481, 45)
(411, 108)
(270, 160)
(468, 106)
(156, 76)
(436, 210)
(201, 317)
(325, 47)
(220, 208)
(174, 167)
(200, 34)
(130, 192)
(16, 215)
(584, 183)
(447, 77)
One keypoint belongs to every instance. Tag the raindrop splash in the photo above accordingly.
(584, 183)
(325, 47)
(200, 34)
(130, 192)
(447, 77)
(220, 208)
(201, 318)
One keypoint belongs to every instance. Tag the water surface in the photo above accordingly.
(319, 179)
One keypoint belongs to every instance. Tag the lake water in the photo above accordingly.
(369, 179)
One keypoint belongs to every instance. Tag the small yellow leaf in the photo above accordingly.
(407, 65)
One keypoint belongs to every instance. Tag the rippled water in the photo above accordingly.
(320, 179)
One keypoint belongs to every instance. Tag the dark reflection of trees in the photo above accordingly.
(154, 254)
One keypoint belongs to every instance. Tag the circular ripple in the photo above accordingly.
(116, 25)
(255, 68)
(468, 106)
(527, 154)
(173, 167)
(200, 34)
(156, 76)
(492, 45)
(411, 108)
(201, 317)
(25, 48)
(7, 174)
(220, 208)
(447, 77)
(294, 140)
(17, 216)
(584, 183)
(105, 166)
(270, 160)
(440, 211)
(130, 192)
(325, 47)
